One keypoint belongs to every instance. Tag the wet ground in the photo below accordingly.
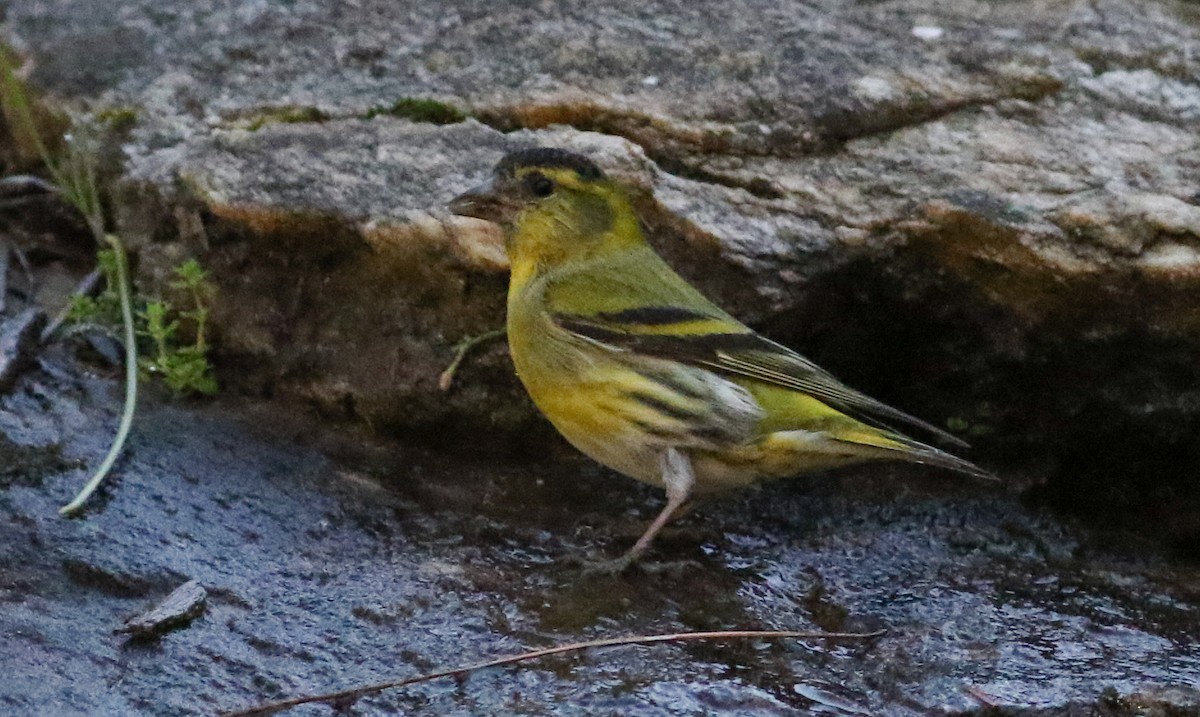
(331, 561)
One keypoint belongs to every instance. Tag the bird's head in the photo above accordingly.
(555, 206)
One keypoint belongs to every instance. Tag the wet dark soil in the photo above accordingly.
(332, 560)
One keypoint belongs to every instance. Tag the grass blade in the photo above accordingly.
(131, 382)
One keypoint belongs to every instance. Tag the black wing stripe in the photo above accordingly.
(677, 412)
(656, 431)
(694, 347)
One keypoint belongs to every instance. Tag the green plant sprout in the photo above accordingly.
(103, 310)
(184, 368)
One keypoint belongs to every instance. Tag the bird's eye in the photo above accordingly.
(539, 184)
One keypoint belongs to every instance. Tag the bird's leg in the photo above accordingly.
(679, 479)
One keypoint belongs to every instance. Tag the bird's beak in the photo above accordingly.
(484, 202)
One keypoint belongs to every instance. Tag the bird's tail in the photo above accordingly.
(782, 454)
(886, 445)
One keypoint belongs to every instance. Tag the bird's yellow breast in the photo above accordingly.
(578, 391)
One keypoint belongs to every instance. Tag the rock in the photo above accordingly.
(184, 604)
(338, 302)
(983, 215)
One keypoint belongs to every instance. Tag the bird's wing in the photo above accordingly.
(636, 302)
(712, 340)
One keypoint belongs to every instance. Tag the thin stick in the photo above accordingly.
(27, 270)
(131, 380)
(353, 694)
(982, 697)
(461, 350)
(4, 254)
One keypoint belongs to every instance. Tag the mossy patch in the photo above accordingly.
(285, 115)
(419, 109)
(118, 120)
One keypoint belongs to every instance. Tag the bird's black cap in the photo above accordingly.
(548, 157)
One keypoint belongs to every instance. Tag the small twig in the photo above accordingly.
(86, 286)
(980, 696)
(4, 254)
(131, 379)
(18, 344)
(27, 270)
(349, 696)
(461, 349)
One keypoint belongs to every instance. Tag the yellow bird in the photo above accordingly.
(637, 369)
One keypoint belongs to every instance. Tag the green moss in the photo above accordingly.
(420, 109)
(286, 115)
(118, 120)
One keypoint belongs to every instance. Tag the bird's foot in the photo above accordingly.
(610, 567)
(631, 560)
(674, 568)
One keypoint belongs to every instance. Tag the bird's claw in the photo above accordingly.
(673, 567)
(614, 566)
(617, 566)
